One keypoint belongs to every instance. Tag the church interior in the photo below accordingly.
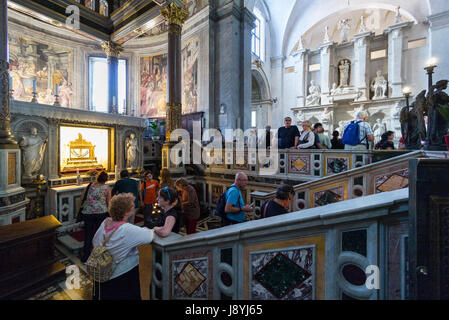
(208, 91)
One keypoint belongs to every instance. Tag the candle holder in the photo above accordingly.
(56, 104)
(430, 71)
(407, 94)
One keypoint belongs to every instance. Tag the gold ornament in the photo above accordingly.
(174, 14)
(111, 49)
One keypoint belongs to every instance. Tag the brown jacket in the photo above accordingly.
(190, 203)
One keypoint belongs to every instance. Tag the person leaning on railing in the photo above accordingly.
(169, 201)
(124, 283)
(279, 205)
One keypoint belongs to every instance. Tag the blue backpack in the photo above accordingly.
(351, 136)
(221, 205)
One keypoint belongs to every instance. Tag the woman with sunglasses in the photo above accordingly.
(169, 202)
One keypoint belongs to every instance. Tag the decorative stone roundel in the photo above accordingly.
(351, 266)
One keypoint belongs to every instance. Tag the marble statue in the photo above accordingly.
(326, 119)
(65, 94)
(380, 86)
(341, 127)
(398, 18)
(413, 126)
(33, 149)
(314, 98)
(379, 129)
(131, 151)
(344, 27)
(344, 69)
(326, 35)
(438, 126)
(362, 28)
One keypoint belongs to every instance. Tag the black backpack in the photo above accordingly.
(221, 205)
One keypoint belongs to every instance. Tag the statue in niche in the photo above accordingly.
(131, 151)
(413, 124)
(379, 129)
(314, 98)
(344, 67)
(380, 86)
(438, 125)
(65, 94)
(33, 149)
(362, 28)
(344, 27)
(326, 35)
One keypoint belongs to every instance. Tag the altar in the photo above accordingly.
(72, 146)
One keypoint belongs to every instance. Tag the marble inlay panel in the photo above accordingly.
(329, 194)
(338, 164)
(285, 274)
(392, 181)
(299, 164)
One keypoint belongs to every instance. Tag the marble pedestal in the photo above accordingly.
(12, 196)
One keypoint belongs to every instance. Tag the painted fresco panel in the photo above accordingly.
(41, 66)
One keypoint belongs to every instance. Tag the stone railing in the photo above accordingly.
(299, 165)
(351, 250)
(383, 176)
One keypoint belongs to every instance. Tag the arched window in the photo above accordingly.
(258, 36)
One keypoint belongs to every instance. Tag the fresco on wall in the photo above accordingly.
(153, 82)
(189, 56)
(39, 66)
(153, 85)
(194, 6)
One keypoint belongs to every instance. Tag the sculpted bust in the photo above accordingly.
(33, 149)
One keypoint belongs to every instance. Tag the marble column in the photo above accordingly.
(12, 196)
(175, 16)
(362, 44)
(112, 51)
(326, 68)
(301, 58)
(395, 48)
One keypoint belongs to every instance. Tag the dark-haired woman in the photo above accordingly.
(95, 210)
(386, 142)
(169, 202)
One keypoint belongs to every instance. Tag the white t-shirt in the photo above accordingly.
(123, 245)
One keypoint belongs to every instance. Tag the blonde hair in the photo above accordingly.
(120, 205)
(181, 183)
(307, 123)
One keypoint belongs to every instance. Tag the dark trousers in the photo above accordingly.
(226, 222)
(124, 287)
(147, 212)
(91, 224)
(190, 225)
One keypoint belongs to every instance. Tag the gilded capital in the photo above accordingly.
(111, 49)
(174, 14)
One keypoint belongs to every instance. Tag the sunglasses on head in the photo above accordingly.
(168, 192)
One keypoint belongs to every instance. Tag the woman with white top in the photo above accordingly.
(307, 138)
(124, 283)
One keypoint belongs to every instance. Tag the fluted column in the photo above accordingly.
(175, 16)
(112, 51)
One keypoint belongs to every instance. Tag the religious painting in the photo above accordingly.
(393, 181)
(153, 86)
(191, 276)
(153, 82)
(41, 68)
(329, 194)
(84, 149)
(337, 164)
(299, 164)
(189, 56)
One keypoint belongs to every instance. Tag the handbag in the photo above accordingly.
(80, 215)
